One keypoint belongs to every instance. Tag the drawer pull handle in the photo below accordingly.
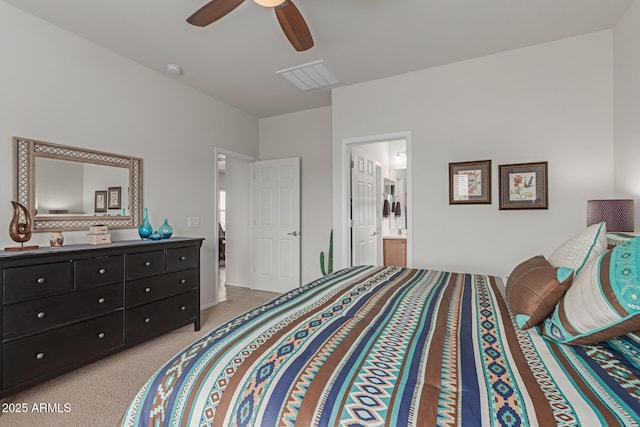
(101, 335)
(147, 264)
(147, 320)
(183, 281)
(101, 301)
(41, 315)
(40, 356)
(182, 258)
(147, 290)
(41, 280)
(102, 271)
(183, 308)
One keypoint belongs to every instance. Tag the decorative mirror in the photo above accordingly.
(67, 188)
(389, 187)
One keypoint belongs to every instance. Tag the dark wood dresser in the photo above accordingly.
(65, 307)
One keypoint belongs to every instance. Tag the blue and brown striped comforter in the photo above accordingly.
(375, 346)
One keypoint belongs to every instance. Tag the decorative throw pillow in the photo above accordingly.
(582, 248)
(534, 288)
(603, 302)
(615, 239)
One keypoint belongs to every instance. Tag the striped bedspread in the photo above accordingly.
(375, 346)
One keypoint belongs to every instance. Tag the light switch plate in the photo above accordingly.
(193, 222)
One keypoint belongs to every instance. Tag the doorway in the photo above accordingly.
(257, 211)
(232, 207)
(377, 208)
(222, 226)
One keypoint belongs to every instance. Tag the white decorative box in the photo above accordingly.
(99, 239)
(98, 229)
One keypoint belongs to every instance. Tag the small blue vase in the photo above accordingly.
(165, 230)
(145, 228)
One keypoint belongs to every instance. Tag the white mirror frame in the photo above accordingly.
(25, 152)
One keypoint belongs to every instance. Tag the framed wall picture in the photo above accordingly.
(115, 196)
(524, 186)
(470, 182)
(100, 201)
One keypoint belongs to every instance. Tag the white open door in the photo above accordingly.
(276, 224)
(364, 241)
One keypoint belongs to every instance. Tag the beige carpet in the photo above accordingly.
(98, 394)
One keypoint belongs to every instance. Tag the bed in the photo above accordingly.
(387, 346)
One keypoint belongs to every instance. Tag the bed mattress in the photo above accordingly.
(387, 346)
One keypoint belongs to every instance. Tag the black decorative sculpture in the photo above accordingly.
(20, 231)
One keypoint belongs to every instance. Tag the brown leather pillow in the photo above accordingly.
(534, 288)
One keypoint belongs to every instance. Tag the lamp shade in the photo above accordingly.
(617, 213)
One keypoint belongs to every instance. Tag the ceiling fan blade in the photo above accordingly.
(212, 11)
(294, 26)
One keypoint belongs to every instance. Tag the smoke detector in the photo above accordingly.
(174, 69)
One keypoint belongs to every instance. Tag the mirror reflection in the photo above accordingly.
(69, 188)
(399, 198)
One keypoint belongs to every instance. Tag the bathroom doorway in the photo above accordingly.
(379, 202)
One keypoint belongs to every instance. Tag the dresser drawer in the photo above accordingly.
(182, 258)
(99, 271)
(38, 315)
(31, 357)
(154, 319)
(150, 289)
(144, 264)
(34, 281)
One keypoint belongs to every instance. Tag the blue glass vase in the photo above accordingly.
(165, 230)
(145, 228)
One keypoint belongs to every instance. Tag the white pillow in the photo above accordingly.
(603, 303)
(581, 249)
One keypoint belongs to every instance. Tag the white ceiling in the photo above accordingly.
(235, 58)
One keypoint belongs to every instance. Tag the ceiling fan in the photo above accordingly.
(289, 17)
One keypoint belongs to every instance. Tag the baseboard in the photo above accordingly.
(204, 307)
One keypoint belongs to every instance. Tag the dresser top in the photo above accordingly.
(46, 250)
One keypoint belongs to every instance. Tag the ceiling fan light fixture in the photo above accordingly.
(270, 3)
(289, 17)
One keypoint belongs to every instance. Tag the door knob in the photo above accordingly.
(375, 233)
(295, 233)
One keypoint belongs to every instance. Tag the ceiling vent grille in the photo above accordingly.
(313, 75)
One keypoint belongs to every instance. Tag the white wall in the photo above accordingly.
(59, 88)
(551, 102)
(306, 134)
(627, 106)
(59, 185)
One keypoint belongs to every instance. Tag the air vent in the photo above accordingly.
(313, 75)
